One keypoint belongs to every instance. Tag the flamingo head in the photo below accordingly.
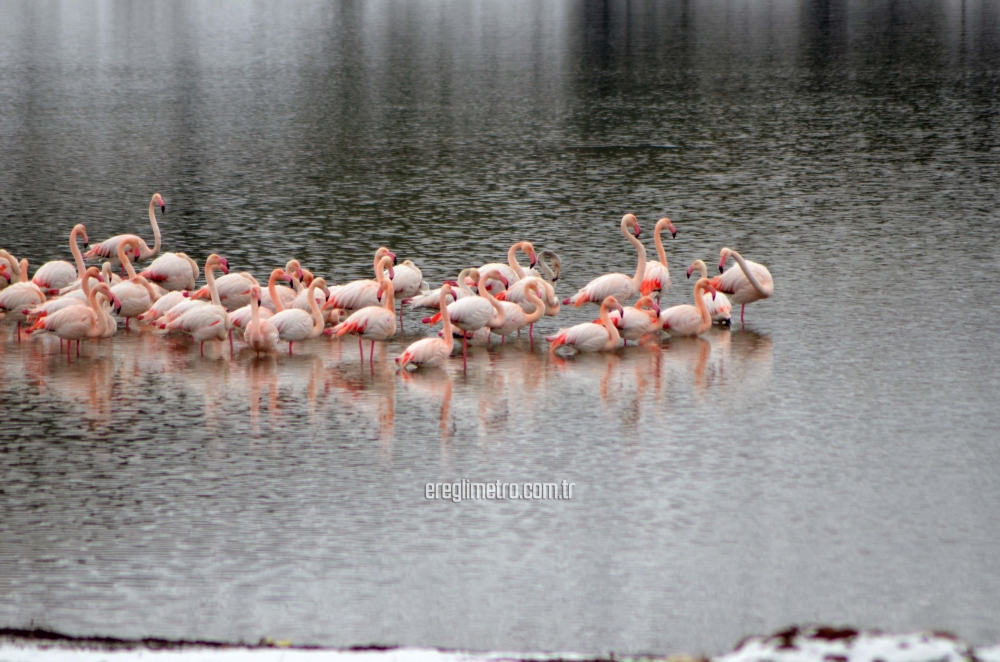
(723, 256)
(306, 276)
(529, 250)
(690, 270)
(706, 284)
(666, 222)
(116, 303)
(287, 277)
(611, 303)
(158, 201)
(630, 221)
(224, 265)
(81, 229)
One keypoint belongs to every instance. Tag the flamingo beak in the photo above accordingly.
(534, 260)
(722, 269)
(638, 230)
(288, 279)
(689, 272)
(86, 244)
(393, 256)
(163, 207)
(299, 274)
(224, 265)
(392, 274)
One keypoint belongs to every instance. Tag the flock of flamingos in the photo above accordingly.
(75, 302)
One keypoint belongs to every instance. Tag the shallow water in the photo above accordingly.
(832, 460)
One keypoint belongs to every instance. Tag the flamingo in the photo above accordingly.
(512, 271)
(688, 320)
(516, 294)
(294, 324)
(590, 337)
(431, 352)
(619, 286)
(406, 283)
(108, 249)
(719, 308)
(657, 278)
(359, 294)
(78, 322)
(173, 272)
(636, 321)
(295, 275)
(515, 317)
(53, 276)
(431, 298)
(240, 318)
(4, 275)
(233, 290)
(751, 283)
(206, 322)
(473, 313)
(261, 335)
(136, 294)
(21, 296)
(372, 322)
(163, 305)
(75, 298)
(551, 274)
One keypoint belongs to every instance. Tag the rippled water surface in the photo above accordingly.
(835, 459)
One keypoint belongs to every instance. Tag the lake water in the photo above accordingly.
(834, 460)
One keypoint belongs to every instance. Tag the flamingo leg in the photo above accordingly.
(371, 353)
(68, 345)
(401, 316)
(230, 340)
(503, 340)
(519, 333)
(203, 349)
(361, 349)
(531, 333)
(78, 348)
(742, 308)
(127, 319)
(18, 332)
(465, 344)
(289, 347)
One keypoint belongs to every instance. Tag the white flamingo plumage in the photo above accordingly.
(108, 249)
(431, 352)
(233, 290)
(473, 313)
(751, 283)
(360, 294)
(79, 322)
(688, 320)
(619, 286)
(406, 283)
(372, 322)
(240, 318)
(515, 317)
(590, 337)
(162, 305)
(512, 271)
(173, 272)
(261, 335)
(206, 322)
(75, 298)
(633, 322)
(656, 280)
(720, 308)
(53, 276)
(295, 325)
(20, 297)
(136, 294)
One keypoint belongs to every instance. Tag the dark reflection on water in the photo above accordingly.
(834, 460)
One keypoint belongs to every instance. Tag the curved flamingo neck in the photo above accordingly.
(462, 285)
(699, 303)
(640, 269)
(613, 335)
(254, 314)
(85, 281)
(532, 295)
(700, 266)
(272, 289)
(195, 269)
(123, 257)
(210, 266)
(512, 259)
(381, 265)
(501, 317)
(81, 268)
(14, 267)
(156, 229)
(748, 272)
(153, 294)
(22, 270)
(449, 342)
(658, 240)
(645, 305)
(317, 315)
(390, 296)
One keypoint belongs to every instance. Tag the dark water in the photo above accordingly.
(834, 460)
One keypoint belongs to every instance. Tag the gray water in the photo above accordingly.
(834, 459)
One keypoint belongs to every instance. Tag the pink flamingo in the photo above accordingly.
(636, 321)
(751, 283)
(657, 278)
(516, 294)
(296, 325)
(720, 307)
(261, 335)
(619, 286)
(136, 294)
(21, 296)
(371, 322)
(473, 313)
(240, 318)
(78, 322)
(515, 317)
(688, 320)
(173, 272)
(360, 294)
(406, 283)
(590, 337)
(53, 276)
(431, 352)
(206, 322)
(108, 249)
(74, 298)
(162, 305)
(233, 290)
(512, 271)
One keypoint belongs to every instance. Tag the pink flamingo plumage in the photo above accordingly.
(656, 281)
(619, 286)
(590, 337)
(751, 283)
(371, 322)
(58, 274)
(431, 352)
(688, 320)
(108, 249)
